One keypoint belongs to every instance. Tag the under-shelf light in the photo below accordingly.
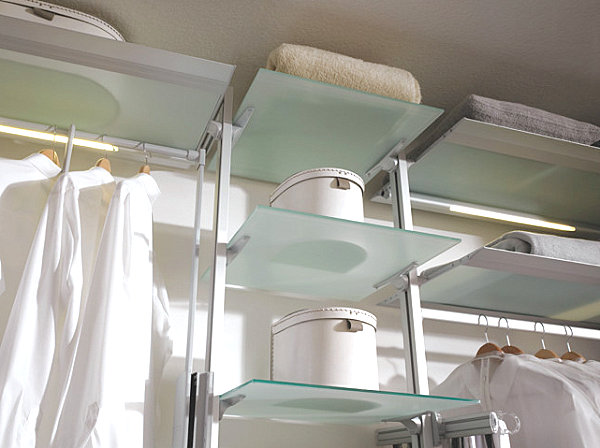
(47, 136)
(510, 218)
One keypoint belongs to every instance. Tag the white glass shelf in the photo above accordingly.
(300, 124)
(324, 404)
(320, 257)
(495, 166)
(59, 77)
(517, 283)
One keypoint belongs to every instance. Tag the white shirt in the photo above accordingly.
(553, 408)
(41, 328)
(24, 188)
(105, 401)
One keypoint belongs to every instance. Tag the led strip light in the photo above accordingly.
(47, 136)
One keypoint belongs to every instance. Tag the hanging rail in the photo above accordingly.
(186, 154)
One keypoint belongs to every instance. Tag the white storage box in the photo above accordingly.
(322, 191)
(328, 346)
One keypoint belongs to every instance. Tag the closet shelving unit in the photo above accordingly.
(482, 164)
(499, 167)
(176, 107)
(298, 124)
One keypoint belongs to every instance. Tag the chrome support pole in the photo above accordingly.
(193, 291)
(410, 300)
(69, 149)
(216, 309)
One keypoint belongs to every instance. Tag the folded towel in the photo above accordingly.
(511, 115)
(572, 249)
(333, 68)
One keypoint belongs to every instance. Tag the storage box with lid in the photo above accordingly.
(333, 346)
(331, 192)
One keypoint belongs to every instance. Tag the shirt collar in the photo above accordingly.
(149, 185)
(43, 164)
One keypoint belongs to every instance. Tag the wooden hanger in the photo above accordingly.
(570, 355)
(544, 353)
(145, 168)
(104, 163)
(51, 154)
(488, 347)
(508, 348)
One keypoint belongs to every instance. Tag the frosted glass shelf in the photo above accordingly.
(481, 163)
(57, 77)
(312, 403)
(300, 124)
(510, 282)
(320, 257)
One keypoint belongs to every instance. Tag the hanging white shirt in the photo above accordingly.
(40, 333)
(24, 188)
(105, 401)
(552, 409)
(162, 348)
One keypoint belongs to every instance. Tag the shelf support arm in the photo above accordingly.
(410, 300)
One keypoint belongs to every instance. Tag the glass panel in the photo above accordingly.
(304, 402)
(467, 174)
(58, 77)
(313, 255)
(300, 124)
(501, 291)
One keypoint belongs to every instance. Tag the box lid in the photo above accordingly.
(307, 315)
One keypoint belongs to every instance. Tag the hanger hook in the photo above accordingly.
(543, 333)
(101, 138)
(568, 336)
(145, 153)
(507, 328)
(53, 147)
(487, 324)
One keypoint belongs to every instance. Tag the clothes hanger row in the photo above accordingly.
(543, 353)
(103, 162)
(144, 169)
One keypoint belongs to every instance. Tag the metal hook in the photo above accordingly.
(101, 138)
(568, 337)
(145, 153)
(543, 333)
(487, 324)
(53, 147)
(507, 328)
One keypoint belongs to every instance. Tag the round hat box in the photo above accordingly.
(329, 346)
(323, 191)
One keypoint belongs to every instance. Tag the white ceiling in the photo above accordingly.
(544, 53)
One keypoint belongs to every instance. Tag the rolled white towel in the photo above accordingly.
(333, 68)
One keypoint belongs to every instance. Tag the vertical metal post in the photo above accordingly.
(412, 317)
(193, 294)
(69, 149)
(216, 310)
